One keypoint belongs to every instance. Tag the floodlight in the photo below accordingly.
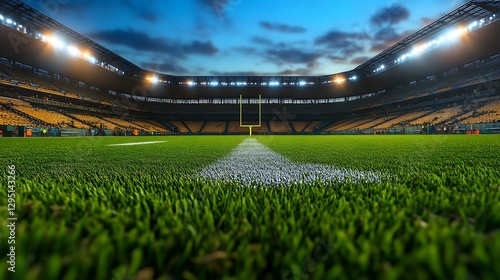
(9, 21)
(56, 42)
(73, 51)
(1, 17)
(92, 59)
(339, 81)
(302, 83)
(89, 58)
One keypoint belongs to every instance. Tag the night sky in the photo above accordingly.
(246, 37)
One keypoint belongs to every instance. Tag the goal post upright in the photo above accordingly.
(250, 126)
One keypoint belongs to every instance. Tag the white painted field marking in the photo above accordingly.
(136, 143)
(252, 163)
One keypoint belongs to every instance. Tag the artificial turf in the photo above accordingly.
(86, 210)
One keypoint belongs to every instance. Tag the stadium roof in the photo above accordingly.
(468, 12)
(39, 21)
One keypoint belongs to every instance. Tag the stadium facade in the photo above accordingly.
(443, 78)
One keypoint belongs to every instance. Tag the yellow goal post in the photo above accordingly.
(250, 126)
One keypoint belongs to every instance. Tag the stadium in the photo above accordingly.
(114, 171)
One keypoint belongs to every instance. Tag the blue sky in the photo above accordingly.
(246, 37)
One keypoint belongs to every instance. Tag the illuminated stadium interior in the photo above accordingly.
(386, 166)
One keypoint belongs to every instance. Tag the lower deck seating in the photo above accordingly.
(180, 126)
(194, 127)
(234, 127)
(312, 126)
(122, 123)
(214, 127)
(280, 126)
(10, 118)
(299, 126)
(438, 116)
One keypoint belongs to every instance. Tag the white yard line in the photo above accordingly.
(136, 143)
(252, 163)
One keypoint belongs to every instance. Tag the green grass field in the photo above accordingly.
(86, 210)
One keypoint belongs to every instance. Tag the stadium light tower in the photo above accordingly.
(153, 79)
(339, 80)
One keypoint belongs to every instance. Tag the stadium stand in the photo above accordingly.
(377, 122)
(348, 124)
(487, 113)
(194, 127)
(51, 117)
(437, 117)
(20, 111)
(279, 126)
(124, 123)
(8, 117)
(405, 119)
(215, 127)
(182, 128)
(311, 127)
(299, 126)
(150, 125)
(94, 121)
(234, 127)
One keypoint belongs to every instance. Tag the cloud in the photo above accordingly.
(133, 39)
(286, 72)
(390, 15)
(261, 40)
(295, 61)
(236, 73)
(386, 38)
(219, 7)
(140, 11)
(141, 41)
(246, 50)
(344, 43)
(148, 16)
(283, 28)
(336, 58)
(203, 48)
(295, 72)
(165, 67)
(386, 34)
(291, 56)
(359, 60)
(72, 6)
